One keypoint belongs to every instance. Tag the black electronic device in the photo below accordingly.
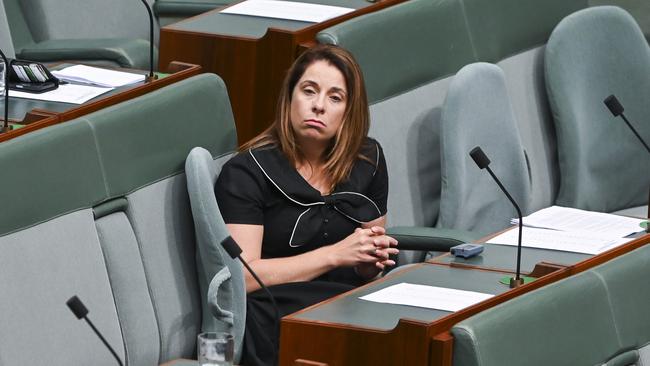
(466, 250)
(5, 122)
(483, 162)
(31, 77)
(617, 109)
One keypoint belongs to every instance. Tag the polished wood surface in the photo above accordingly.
(409, 343)
(253, 69)
(37, 118)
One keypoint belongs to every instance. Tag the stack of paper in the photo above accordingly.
(432, 297)
(66, 93)
(291, 10)
(97, 76)
(571, 230)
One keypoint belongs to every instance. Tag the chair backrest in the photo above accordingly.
(591, 54)
(221, 278)
(477, 112)
(6, 43)
(76, 19)
(598, 317)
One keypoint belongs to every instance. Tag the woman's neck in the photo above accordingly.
(310, 167)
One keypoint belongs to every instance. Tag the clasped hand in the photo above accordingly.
(368, 249)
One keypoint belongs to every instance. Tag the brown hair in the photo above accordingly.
(346, 145)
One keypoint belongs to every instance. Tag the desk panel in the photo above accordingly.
(504, 258)
(349, 310)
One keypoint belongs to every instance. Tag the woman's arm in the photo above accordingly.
(359, 247)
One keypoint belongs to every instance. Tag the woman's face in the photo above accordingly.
(318, 103)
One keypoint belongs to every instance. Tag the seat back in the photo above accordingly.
(597, 317)
(591, 54)
(477, 112)
(221, 278)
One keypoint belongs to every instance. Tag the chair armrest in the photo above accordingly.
(180, 8)
(429, 238)
(125, 52)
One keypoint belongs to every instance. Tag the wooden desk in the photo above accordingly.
(39, 114)
(251, 54)
(347, 331)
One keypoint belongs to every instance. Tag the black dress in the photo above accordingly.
(260, 187)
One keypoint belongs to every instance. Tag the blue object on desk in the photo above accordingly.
(466, 250)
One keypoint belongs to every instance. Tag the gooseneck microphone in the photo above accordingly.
(151, 76)
(5, 123)
(483, 162)
(79, 310)
(234, 251)
(617, 109)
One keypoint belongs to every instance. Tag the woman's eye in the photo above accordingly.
(309, 91)
(336, 98)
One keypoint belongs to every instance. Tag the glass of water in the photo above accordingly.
(215, 349)
(2, 78)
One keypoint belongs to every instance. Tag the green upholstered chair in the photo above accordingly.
(221, 278)
(477, 112)
(598, 317)
(113, 33)
(591, 54)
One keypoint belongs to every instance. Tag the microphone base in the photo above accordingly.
(514, 282)
(4, 129)
(149, 78)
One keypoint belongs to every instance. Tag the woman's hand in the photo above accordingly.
(367, 249)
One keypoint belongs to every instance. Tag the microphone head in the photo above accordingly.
(231, 246)
(614, 105)
(77, 307)
(481, 160)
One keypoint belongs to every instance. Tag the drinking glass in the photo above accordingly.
(215, 349)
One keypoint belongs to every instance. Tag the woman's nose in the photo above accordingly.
(318, 105)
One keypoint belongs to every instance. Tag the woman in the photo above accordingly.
(306, 199)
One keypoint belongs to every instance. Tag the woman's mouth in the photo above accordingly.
(315, 123)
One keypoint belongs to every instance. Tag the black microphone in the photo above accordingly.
(5, 125)
(483, 162)
(79, 310)
(617, 109)
(234, 251)
(151, 76)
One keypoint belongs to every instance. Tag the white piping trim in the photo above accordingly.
(359, 194)
(280, 189)
(294, 230)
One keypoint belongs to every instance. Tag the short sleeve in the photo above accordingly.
(239, 193)
(378, 187)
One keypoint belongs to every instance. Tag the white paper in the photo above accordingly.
(572, 219)
(432, 297)
(66, 93)
(578, 242)
(97, 76)
(287, 10)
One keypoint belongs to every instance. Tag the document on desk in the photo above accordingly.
(97, 76)
(290, 10)
(567, 241)
(432, 297)
(66, 93)
(572, 219)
